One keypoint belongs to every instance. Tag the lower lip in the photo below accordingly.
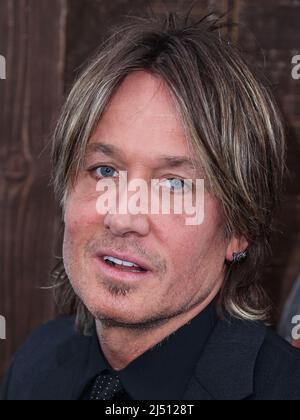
(119, 274)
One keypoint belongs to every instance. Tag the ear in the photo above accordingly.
(236, 245)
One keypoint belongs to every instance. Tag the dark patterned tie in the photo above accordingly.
(107, 386)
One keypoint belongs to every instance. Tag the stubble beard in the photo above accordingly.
(152, 322)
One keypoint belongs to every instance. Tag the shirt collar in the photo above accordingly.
(164, 371)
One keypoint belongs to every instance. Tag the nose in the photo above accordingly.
(121, 224)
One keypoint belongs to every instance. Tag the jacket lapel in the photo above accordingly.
(225, 370)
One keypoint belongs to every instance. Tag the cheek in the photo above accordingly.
(193, 247)
(189, 245)
(80, 214)
(81, 222)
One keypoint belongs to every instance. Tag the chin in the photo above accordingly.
(115, 308)
(117, 319)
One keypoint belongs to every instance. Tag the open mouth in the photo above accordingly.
(123, 265)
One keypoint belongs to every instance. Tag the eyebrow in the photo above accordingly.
(176, 162)
(166, 161)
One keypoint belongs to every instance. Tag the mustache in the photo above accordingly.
(131, 247)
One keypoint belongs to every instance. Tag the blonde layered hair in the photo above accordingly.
(231, 123)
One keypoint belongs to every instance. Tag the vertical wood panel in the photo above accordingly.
(32, 40)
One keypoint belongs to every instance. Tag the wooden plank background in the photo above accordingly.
(32, 40)
(44, 42)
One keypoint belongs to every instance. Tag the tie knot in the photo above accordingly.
(107, 386)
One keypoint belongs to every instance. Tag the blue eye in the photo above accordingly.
(105, 171)
(176, 183)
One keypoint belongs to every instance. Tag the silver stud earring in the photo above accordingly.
(239, 256)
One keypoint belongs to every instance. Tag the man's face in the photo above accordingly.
(185, 263)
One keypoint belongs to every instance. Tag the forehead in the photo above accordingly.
(142, 119)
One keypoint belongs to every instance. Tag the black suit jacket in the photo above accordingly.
(241, 360)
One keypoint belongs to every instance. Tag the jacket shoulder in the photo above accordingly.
(252, 361)
(39, 352)
(277, 370)
(45, 339)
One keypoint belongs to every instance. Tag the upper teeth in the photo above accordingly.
(120, 262)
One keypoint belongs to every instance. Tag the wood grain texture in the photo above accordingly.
(32, 40)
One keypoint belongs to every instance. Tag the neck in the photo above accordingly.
(123, 345)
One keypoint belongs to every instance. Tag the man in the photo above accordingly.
(163, 309)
